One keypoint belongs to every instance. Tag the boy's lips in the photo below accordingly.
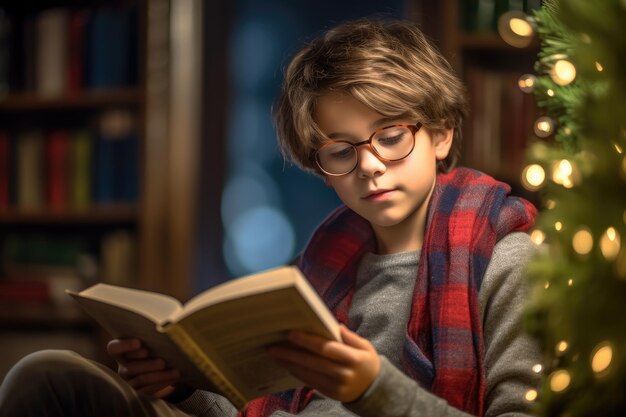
(378, 194)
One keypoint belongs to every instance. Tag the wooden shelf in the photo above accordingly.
(41, 316)
(83, 100)
(101, 215)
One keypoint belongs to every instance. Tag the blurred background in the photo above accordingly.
(137, 146)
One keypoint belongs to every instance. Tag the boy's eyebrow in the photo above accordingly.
(382, 122)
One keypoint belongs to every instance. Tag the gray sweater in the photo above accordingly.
(379, 312)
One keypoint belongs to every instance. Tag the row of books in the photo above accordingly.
(65, 169)
(483, 15)
(61, 51)
(500, 123)
(39, 268)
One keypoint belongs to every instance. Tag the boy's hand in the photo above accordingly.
(146, 374)
(341, 371)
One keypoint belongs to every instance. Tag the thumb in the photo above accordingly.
(352, 339)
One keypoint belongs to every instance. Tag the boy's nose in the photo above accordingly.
(368, 164)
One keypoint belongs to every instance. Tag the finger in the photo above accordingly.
(329, 349)
(137, 367)
(118, 347)
(304, 359)
(162, 392)
(350, 338)
(142, 382)
(142, 353)
(312, 378)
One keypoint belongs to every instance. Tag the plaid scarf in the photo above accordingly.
(468, 213)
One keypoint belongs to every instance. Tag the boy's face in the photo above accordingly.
(390, 195)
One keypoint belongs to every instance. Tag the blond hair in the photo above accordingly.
(388, 66)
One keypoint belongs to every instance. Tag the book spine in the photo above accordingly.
(57, 154)
(5, 170)
(52, 52)
(81, 169)
(30, 149)
(193, 351)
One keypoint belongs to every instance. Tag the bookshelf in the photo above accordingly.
(73, 82)
(501, 118)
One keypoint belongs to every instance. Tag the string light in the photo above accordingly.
(562, 172)
(550, 204)
(610, 243)
(515, 29)
(531, 395)
(561, 347)
(618, 148)
(533, 177)
(570, 282)
(544, 126)
(559, 380)
(526, 83)
(599, 67)
(567, 131)
(537, 236)
(563, 72)
(546, 285)
(601, 357)
(585, 38)
(550, 92)
(582, 241)
(537, 368)
(558, 226)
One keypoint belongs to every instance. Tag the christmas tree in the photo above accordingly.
(577, 309)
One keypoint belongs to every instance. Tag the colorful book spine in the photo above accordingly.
(5, 170)
(30, 178)
(81, 169)
(52, 46)
(57, 153)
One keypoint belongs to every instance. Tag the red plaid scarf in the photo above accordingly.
(468, 213)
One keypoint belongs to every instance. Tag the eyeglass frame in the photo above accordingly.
(414, 128)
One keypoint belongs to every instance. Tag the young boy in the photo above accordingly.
(422, 264)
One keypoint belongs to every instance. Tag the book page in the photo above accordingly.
(236, 333)
(154, 306)
(122, 323)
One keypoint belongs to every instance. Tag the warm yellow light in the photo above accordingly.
(533, 177)
(537, 368)
(567, 131)
(550, 92)
(558, 226)
(559, 380)
(563, 72)
(550, 204)
(618, 148)
(601, 357)
(520, 27)
(610, 243)
(531, 395)
(582, 241)
(544, 127)
(562, 346)
(546, 285)
(526, 83)
(570, 282)
(599, 66)
(537, 236)
(562, 172)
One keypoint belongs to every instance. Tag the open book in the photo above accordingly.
(218, 339)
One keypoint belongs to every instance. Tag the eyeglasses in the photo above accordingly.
(390, 143)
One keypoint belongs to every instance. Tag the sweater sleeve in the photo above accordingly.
(207, 404)
(509, 352)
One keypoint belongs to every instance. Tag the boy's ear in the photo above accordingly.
(442, 141)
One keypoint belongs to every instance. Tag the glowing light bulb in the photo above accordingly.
(562, 171)
(567, 131)
(582, 242)
(544, 127)
(601, 357)
(537, 368)
(558, 226)
(537, 236)
(526, 83)
(599, 67)
(531, 395)
(550, 204)
(618, 148)
(550, 92)
(610, 243)
(562, 346)
(570, 282)
(514, 29)
(533, 177)
(563, 72)
(560, 380)
(546, 285)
